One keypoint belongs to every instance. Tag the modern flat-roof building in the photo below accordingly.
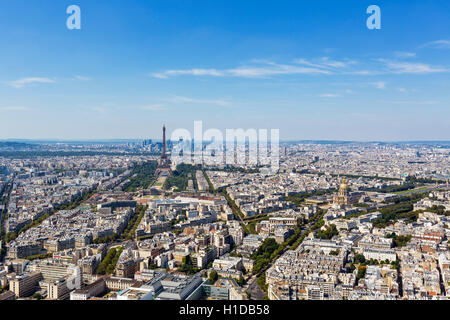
(178, 287)
(94, 289)
(24, 285)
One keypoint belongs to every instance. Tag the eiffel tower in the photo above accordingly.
(164, 162)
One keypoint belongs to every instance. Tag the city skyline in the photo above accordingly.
(312, 70)
(138, 140)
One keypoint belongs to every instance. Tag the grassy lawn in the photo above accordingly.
(411, 191)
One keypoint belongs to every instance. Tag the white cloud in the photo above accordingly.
(329, 95)
(308, 63)
(258, 71)
(273, 69)
(320, 66)
(438, 44)
(336, 64)
(365, 73)
(401, 54)
(82, 78)
(20, 83)
(325, 63)
(193, 72)
(412, 68)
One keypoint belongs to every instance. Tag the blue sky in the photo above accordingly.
(309, 68)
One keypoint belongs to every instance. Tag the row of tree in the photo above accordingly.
(236, 211)
(108, 264)
(292, 242)
(107, 239)
(402, 208)
(394, 188)
(40, 256)
(210, 185)
(263, 254)
(134, 222)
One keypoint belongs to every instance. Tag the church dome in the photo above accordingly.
(344, 184)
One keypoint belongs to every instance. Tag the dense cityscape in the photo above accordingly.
(338, 221)
(222, 159)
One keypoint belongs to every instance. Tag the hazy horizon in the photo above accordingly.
(160, 139)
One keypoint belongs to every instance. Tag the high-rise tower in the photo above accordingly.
(164, 162)
(163, 155)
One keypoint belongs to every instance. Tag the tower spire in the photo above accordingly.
(164, 162)
(164, 142)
